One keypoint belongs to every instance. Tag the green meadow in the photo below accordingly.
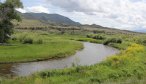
(31, 46)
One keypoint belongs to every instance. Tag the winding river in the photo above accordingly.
(91, 54)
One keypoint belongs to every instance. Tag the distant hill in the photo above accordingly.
(49, 18)
(43, 20)
(141, 30)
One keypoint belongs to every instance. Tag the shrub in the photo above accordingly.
(29, 38)
(144, 42)
(14, 38)
(22, 37)
(119, 40)
(113, 40)
(39, 41)
(125, 57)
(134, 48)
(96, 36)
(27, 41)
(89, 36)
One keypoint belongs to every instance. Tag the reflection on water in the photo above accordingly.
(91, 54)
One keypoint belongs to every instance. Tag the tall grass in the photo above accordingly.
(28, 38)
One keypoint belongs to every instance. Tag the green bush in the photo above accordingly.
(28, 38)
(39, 41)
(14, 38)
(22, 37)
(96, 36)
(89, 36)
(113, 40)
(27, 41)
(143, 42)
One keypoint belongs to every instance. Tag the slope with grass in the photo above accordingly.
(49, 18)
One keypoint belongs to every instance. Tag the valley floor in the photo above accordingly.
(127, 67)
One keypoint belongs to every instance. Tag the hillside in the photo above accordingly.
(141, 30)
(29, 23)
(49, 18)
(56, 21)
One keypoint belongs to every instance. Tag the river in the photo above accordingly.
(91, 54)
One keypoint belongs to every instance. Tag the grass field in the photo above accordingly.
(52, 47)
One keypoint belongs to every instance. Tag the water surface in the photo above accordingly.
(91, 54)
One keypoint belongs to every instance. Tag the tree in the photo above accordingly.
(7, 14)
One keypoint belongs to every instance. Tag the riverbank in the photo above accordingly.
(51, 48)
(90, 55)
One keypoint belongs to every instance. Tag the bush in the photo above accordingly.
(22, 37)
(96, 36)
(89, 36)
(39, 41)
(14, 38)
(143, 42)
(29, 38)
(113, 40)
(27, 41)
(119, 40)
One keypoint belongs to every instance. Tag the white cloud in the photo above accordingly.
(21, 10)
(37, 9)
(126, 14)
(34, 9)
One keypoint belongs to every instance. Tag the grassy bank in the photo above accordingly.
(128, 65)
(29, 49)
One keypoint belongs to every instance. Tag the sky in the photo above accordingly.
(121, 14)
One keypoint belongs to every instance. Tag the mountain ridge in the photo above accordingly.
(50, 18)
(56, 19)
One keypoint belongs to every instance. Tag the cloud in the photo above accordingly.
(122, 13)
(37, 9)
(21, 10)
(34, 9)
